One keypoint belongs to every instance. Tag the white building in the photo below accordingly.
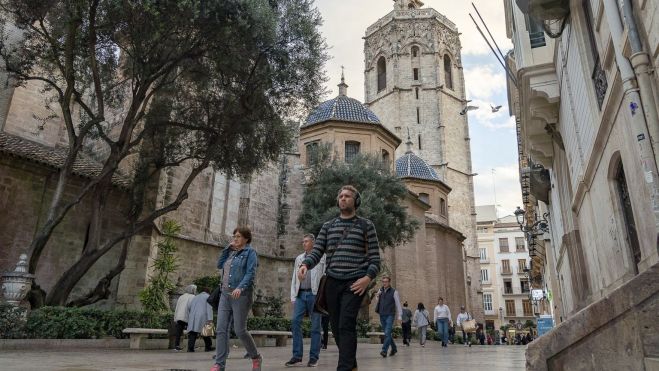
(504, 261)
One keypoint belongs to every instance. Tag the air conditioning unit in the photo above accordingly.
(544, 10)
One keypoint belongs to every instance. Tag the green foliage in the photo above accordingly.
(363, 326)
(89, 323)
(381, 192)
(208, 281)
(529, 324)
(274, 306)
(12, 322)
(154, 297)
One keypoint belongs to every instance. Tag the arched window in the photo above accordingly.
(415, 51)
(382, 74)
(385, 156)
(352, 150)
(312, 153)
(448, 75)
(424, 197)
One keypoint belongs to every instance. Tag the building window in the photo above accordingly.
(487, 302)
(521, 263)
(599, 77)
(415, 71)
(415, 51)
(485, 275)
(417, 92)
(528, 308)
(483, 253)
(503, 245)
(312, 153)
(385, 156)
(507, 286)
(536, 32)
(448, 75)
(352, 150)
(524, 284)
(419, 142)
(510, 308)
(424, 197)
(382, 74)
(505, 267)
(628, 217)
(442, 206)
(418, 115)
(519, 244)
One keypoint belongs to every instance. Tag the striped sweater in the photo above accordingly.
(348, 261)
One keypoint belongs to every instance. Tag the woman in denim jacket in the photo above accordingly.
(238, 263)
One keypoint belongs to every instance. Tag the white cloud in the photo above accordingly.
(484, 82)
(506, 181)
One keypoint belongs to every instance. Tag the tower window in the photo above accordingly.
(352, 150)
(417, 92)
(448, 76)
(418, 116)
(424, 197)
(416, 73)
(385, 156)
(419, 142)
(382, 74)
(312, 153)
(442, 206)
(415, 51)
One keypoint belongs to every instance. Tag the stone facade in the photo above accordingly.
(587, 130)
(414, 83)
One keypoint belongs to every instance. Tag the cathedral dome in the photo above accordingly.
(412, 166)
(342, 108)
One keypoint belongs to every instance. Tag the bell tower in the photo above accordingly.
(413, 80)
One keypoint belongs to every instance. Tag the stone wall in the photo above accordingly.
(618, 332)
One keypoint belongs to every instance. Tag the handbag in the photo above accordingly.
(214, 298)
(469, 325)
(208, 330)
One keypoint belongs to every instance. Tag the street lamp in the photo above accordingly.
(531, 231)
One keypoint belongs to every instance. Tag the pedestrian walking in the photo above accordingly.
(459, 320)
(442, 318)
(201, 314)
(406, 323)
(421, 321)
(353, 261)
(181, 313)
(387, 307)
(303, 297)
(238, 262)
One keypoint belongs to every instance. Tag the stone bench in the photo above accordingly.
(376, 337)
(139, 335)
(281, 337)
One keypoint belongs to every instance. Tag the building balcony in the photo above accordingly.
(506, 272)
(515, 291)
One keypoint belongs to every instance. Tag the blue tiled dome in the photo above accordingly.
(412, 166)
(342, 108)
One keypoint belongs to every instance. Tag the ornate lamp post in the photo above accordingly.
(537, 228)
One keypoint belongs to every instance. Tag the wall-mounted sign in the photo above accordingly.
(537, 294)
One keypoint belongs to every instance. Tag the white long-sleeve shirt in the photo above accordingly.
(461, 318)
(442, 311)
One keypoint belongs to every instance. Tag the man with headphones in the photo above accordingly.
(353, 261)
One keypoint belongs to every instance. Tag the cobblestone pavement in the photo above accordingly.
(432, 357)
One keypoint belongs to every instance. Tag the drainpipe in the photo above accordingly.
(641, 63)
(634, 105)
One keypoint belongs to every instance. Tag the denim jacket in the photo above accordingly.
(243, 267)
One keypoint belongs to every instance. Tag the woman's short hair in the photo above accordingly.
(245, 232)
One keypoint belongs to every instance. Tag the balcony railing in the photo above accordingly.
(514, 291)
(503, 271)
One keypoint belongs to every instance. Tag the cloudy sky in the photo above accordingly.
(494, 148)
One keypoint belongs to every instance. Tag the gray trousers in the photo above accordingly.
(422, 334)
(238, 309)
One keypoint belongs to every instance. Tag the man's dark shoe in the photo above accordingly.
(294, 362)
(383, 354)
(313, 363)
(393, 352)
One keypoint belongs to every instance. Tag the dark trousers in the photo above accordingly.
(343, 306)
(407, 332)
(192, 339)
(180, 326)
(325, 325)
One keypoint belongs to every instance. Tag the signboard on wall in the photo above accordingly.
(537, 294)
(545, 323)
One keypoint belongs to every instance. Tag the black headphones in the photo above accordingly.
(358, 200)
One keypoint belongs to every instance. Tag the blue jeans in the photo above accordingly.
(442, 328)
(304, 303)
(387, 323)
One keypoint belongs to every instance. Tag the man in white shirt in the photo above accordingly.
(303, 297)
(388, 305)
(460, 319)
(442, 317)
